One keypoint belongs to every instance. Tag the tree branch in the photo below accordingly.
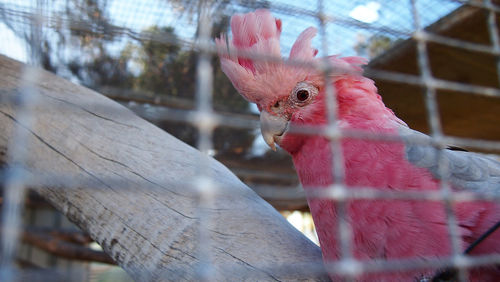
(135, 190)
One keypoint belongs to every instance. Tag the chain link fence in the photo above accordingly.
(435, 64)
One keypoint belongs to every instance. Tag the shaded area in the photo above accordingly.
(462, 114)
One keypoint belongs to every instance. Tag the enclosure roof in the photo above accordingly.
(463, 114)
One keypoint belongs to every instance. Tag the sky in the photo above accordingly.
(15, 47)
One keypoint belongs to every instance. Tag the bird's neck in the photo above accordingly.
(360, 105)
(313, 162)
(360, 108)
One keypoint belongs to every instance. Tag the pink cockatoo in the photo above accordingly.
(291, 96)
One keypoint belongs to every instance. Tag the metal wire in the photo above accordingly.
(14, 186)
(14, 183)
(436, 135)
(205, 119)
(344, 230)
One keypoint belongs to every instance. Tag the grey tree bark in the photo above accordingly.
(135, 189)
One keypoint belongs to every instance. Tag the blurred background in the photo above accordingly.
(143, 54)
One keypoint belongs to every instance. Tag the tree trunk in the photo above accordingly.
(135, 189)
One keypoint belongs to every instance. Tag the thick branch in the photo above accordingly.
(135, 189)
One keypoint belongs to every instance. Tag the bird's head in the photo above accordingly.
(285, 91)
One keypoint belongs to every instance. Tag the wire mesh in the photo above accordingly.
(119, 29)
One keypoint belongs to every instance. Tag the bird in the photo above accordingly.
(292, 94)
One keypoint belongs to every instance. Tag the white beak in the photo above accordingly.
(272, 127)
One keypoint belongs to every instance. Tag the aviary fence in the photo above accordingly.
(436, 64)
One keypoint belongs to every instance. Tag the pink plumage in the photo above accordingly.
(382, 229)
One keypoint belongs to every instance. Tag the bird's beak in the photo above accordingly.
(272, 128)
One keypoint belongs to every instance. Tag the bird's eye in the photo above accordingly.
(302, 95)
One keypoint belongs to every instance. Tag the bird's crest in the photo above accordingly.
(258, 34)
(252, 59)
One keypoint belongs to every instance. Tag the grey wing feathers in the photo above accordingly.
(465, 170)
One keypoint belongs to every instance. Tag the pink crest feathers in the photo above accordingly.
(252, 59)
(258, 34)
(301, 49)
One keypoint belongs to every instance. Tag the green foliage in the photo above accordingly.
(379, 44)
(167, 70)
(164, 68)
(374, 45)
